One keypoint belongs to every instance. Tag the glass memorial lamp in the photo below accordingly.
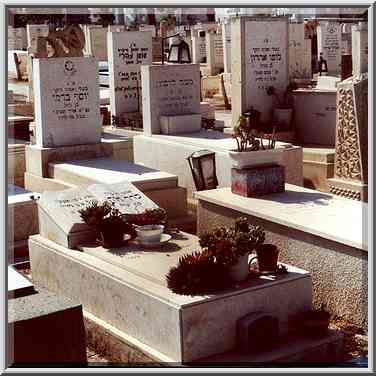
(202, 164)
(179, 52)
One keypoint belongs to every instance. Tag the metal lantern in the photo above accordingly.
(202, 164)
(179, 53)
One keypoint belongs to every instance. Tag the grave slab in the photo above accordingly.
(313, 231)
(59, 217)
(18, 285)
(66, 101)
(136, 275)
(45, 328)
(176, 124)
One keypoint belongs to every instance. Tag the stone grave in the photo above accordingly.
(226, 36)
(33, 33)
(329, 43)
(214, 53)
(313, 231)
(351, 157)
(59, 219)
(171, 98)
(127, 51)
(17, 39)
(66, 101)
(22, 220)
(124, 290)
(299, 53)
(359, 48)
(198, 46)
(96, 40)
(36, 319)
(259, 60)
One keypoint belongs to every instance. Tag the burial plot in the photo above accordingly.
(260, 60)
(329, 43)
(299, 52)
(60, 221)
(66, 101)
(127, 51)
(171, 98)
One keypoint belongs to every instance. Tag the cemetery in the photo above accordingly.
(187, 187)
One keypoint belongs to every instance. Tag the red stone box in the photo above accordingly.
(258, 180)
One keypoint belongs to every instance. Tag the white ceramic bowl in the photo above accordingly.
(150, 233)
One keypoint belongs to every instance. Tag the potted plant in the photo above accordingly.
(248, 151)
(109, 223)
(283, 109)
(267, 257)
(231, 246)
(157, 216)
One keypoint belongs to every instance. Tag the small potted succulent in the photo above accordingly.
(231, 246)
(251, 151)
(112, 228)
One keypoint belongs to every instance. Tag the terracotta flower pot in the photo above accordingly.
(267, 257)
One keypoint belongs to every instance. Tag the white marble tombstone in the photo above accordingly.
(66, 94)
(329, 43)
(97, 42)
(169, 90)
(226, 37)
(59, 218)
(33, 32)
(127, 51)
(17, 38)
(359, 49)
(299, 52)
(259, 60)
(214, 53)
(198, 47)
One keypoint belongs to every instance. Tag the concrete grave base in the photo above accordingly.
(354, 190)
(45, 329)
(126, 288)
(16, 161)
(313, 231)
(120, 348)
(176, 124)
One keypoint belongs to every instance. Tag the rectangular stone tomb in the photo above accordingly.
(127, 289)
(66, 101)
(177, 124)
(59, 218)
(258, 180)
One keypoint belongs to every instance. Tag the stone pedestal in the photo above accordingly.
(351, 158)
(258, 180)
(127, 289)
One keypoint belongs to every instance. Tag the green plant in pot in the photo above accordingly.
(157, 216)
(109, 224)
(231, 246)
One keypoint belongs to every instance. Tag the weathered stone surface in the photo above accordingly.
(66, 101)
(312, 231)
(300, 64)
(33, 33)
(176, 124)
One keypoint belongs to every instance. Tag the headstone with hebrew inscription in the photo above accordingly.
(300, 64)
(127, 51)
(17, 38)
(329, 44)
(170, 91)
(259, 60)
(59, 218)
(66, 101)
(33, 33)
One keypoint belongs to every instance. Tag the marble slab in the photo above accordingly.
(66, 101)
(307, 210)
(18, 285)
(111, 171)
(126, 289)
(59, 217)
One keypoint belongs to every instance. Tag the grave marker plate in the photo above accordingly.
(169, 90)
(127, 51)
(59, 216)
(66, 101)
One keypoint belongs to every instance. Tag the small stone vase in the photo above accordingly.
(239, 272)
